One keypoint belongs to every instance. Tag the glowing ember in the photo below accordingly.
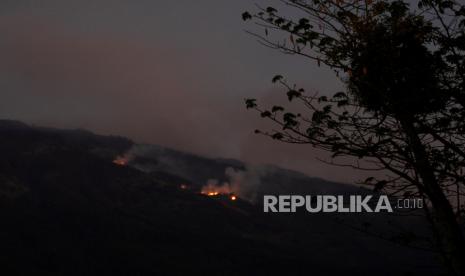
(120, 161)
(212, 189)
(183, 186)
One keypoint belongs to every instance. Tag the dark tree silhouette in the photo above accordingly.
(402, 111)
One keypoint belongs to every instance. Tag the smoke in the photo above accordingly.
(213, 188)
(225, 176)
(243, 183)
(160, 159)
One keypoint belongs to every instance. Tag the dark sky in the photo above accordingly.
(173, 73)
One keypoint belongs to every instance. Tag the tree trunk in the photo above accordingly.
(450, 236)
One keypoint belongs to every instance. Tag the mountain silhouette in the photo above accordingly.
(67, 209)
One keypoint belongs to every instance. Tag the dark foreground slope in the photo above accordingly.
(66, 209)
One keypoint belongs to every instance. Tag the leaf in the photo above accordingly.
(289, 116)
(246, 16)
(322, 99)
(277, 108)
(277, 78)
(379, 185)
(332, 124)
(291, 94)
(271, 10)
(265, 114)
(369, 179)
(279, 21)
(302, 41)
(303, 21)
(327, 108)
(289, 120)
(317, 116)
(340, 95)
(277, 136)
(250, 103)
(325, 40)
(342, 103)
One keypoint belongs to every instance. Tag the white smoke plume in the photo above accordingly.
(243, 183)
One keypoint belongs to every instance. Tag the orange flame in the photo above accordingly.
(212, 189)
(120, 161)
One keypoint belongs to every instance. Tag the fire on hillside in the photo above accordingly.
(121, 161)
(216, 191)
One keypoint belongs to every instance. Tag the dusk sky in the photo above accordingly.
(173, 73)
